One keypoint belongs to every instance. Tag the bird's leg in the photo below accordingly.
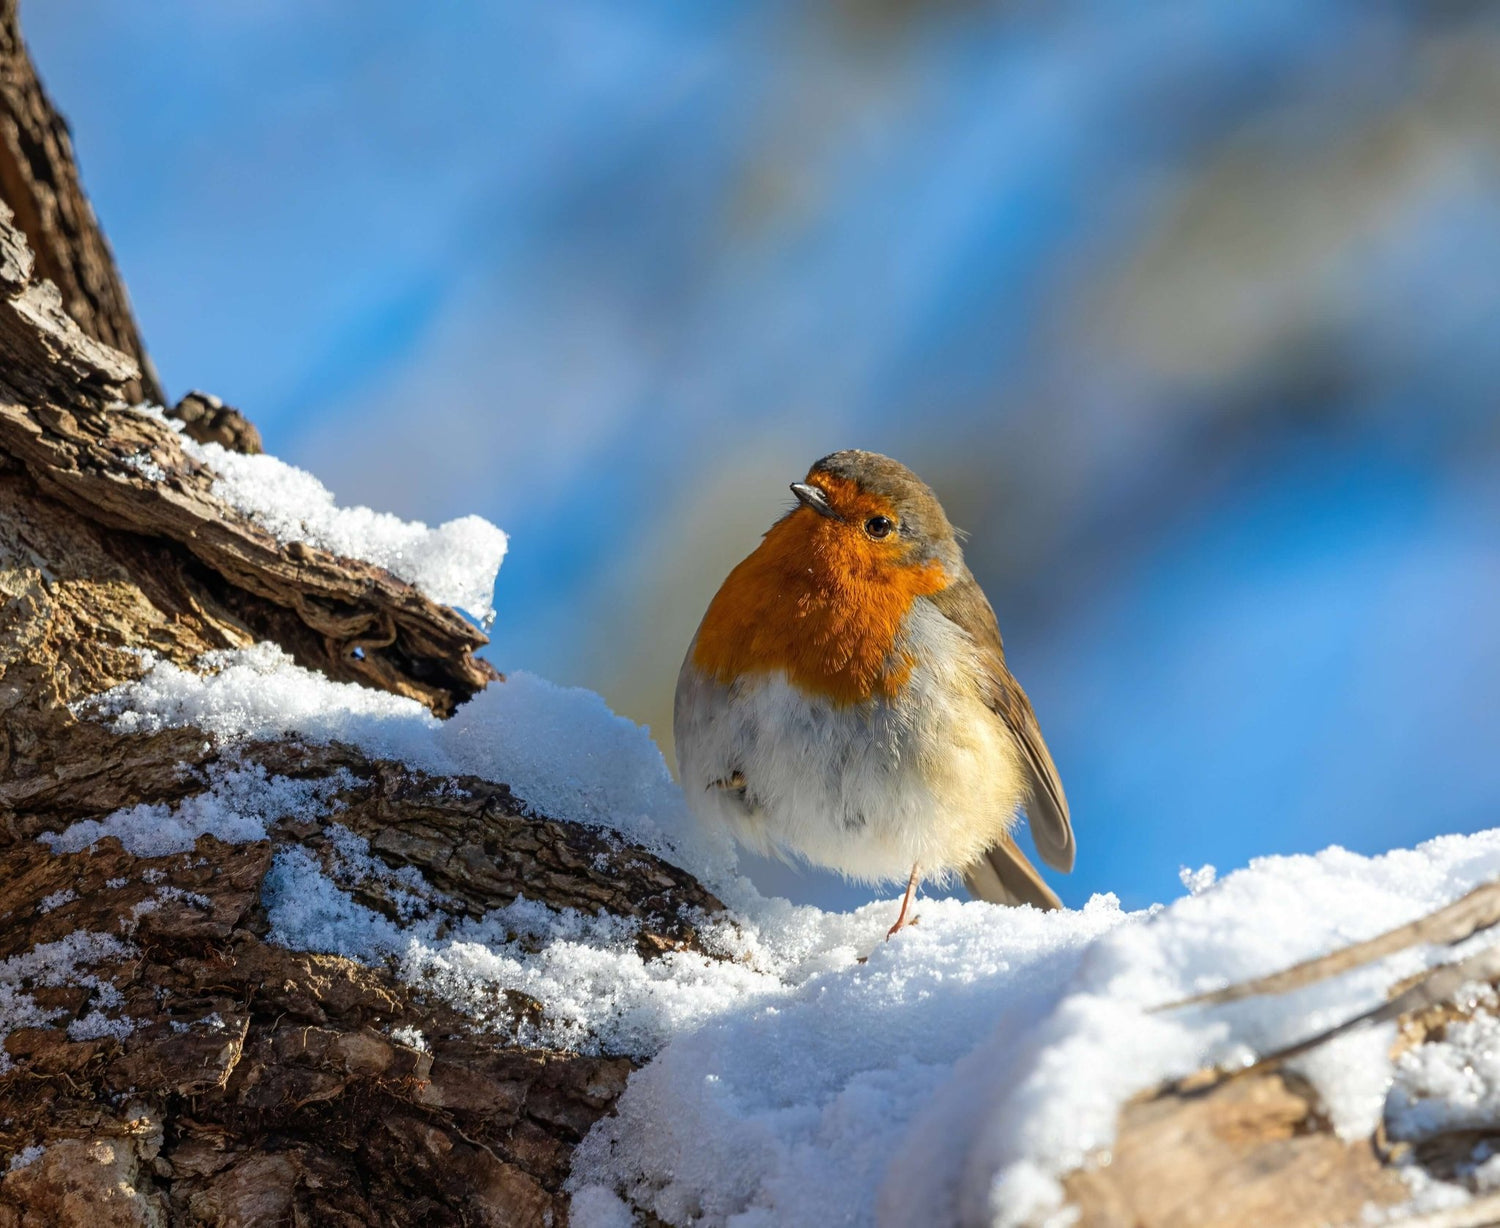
(911, 890)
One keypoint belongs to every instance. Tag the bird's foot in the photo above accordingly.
(901, 924)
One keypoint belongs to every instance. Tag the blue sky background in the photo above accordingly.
(1190, 311)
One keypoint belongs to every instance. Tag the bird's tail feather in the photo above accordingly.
(1004, 876)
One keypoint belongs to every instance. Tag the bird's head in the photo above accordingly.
(874, 513)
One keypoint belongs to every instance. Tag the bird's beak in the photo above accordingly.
(814, 498)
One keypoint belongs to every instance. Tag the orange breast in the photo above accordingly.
(819, 601)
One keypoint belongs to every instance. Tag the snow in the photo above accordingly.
(800, 1070)
(599, 994)
(793, 1105)
(1038, 1096)
(559, 749)
(259, 692)
(411, 1037)
(96, 1025)
(24, 1157)
(974, 1059)
(51, 964)
(130, 922)
(404, 885)
(142, 463)
(1453, 1083)
(600, 1208)
(455, 563)
(237, 805)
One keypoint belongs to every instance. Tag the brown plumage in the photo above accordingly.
(1006, 876)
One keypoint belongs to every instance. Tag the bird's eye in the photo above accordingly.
(879, 526)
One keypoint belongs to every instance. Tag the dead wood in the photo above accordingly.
(64, 427)
(39, 180)
(1243, 1154)
(208, 420)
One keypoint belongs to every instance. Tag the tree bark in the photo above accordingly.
(292, 1102)
(295, 1102)
(39, 180)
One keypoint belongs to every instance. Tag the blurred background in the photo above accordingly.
(1189, 311)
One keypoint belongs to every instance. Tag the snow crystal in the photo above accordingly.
(96, 1025)
(213, 1023)
(49, 965)
(559, 749)
(454, 564)
(597, 1206)
(57, 899)
(27, 1155)
(193, 898)
(411, 1037)
(131, 921)
(1449, 1084)
(142, 463)
(405, 887)
(239, 802)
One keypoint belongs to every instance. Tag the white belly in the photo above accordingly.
(931, 778)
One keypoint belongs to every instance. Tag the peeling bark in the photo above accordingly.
(39, 180)
(262, 1082)
(208, 420)
(62, 426)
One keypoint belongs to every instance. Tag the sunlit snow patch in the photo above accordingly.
(559, 749)
(454, 564)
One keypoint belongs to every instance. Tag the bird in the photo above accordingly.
(846, 700)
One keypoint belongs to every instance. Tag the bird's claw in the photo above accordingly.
(900, 925)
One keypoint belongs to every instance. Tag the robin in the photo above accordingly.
(846, 699)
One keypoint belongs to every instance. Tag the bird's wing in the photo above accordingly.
(964, 603)
(1004, 876)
